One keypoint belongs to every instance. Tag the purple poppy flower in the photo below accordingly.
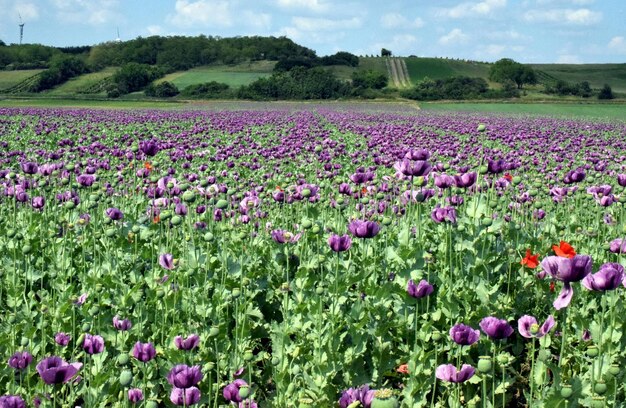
(85, 180)
(29, 167)
(93, 344)
(62, 339)
(449, 373)
(465, 180)
(166, 261)
(362, 177)
(444, 181)
(410, 168)
(81, 299)
(12, 401)
(183, 376)
(586, 335)
(496, 328)
(364, 229)
(417, 154)
(231, 391)
(135, 395)
(114, 214)
(248, 403)
(609, 277)
(440, 214)
(362, 394)
(618, 246)
(121, 325)
(529, 328)
(422, 289)
(20, 360)
(149, 147)
(339, 243)
(189, 343)
(567, 270)
(283, 237)
(53, 370)
(464, 335)
(38, 202)
(185, 396)
(621, 180)
(144, 352)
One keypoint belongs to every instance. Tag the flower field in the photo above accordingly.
(310, 258)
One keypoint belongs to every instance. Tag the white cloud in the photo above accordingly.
(201, 13)
(581, 16)
(325, 24)
(398, 21)
(506, 35)
(401, 44)
(95, 12)
(154, 30)
(257, 21)
(568, 59)
(618, 44)
(472, 9)
(456, 36)
(312, 5)
(28, 11)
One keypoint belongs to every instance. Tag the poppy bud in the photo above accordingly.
(484, 364)
(126, 377)
(592, 351)
(384, 399)
(566, 391)
(600, 387)
(614, 370)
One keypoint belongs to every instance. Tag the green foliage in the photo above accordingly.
(298, 83)
(457, 88)
(369, 79)
(162, 90)
(341, 58)
(507, 69)
(207, 90)
(2, 43)
(563, 88)
(133, 77)
(385, 53)
(62, 68)
(27, 56)
(606, 92)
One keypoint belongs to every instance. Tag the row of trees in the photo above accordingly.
(62, 68)
(457, 88)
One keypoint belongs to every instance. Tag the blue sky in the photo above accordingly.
(567, 31)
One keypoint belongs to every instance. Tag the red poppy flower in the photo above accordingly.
(564, 250)
(403, 369)
(552, 286)
(531, 261)
(508, 177)
(156, 219)
(148, 166)
(364, 191)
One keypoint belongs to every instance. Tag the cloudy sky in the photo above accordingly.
(568, 31)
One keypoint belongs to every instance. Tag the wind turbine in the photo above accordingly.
(21, 28)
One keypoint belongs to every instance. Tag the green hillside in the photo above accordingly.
(233, 75)
(90, 83)
(9, 79)
(437, 68)
(596, 74)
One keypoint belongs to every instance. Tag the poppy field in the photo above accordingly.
(310, 257)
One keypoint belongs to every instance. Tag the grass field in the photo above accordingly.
(11, 78)
(87, 103)
(596, 74)
(235, 76)
(81, 83)
(594, 110)
(437, 68)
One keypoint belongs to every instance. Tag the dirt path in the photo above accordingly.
(393, 73)
(405, 73)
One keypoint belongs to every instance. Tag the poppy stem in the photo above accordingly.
(531, 378)
(563, 340)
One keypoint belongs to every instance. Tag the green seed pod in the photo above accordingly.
(600, 387)
(380, 196)
(208, 237)
(222, 204)
(248, 356)
(592, 351)
(94, 310)
(436, 336)
(318, 148)
(86, 327)
(419, 181)
(319, 290)
(244, 392)
(152, 404)
(135, 229)
(24, 341)
(614, 370)
(27, 249)
(341, 201)
(386, 221)
(189, 196)
(214, 331)
(126, 377)
(493, 204)
(69, 205)
(307, 224)
(177, 220)
(483, 170)
(110, 232)
(365, 200)
(481, 127)
(316, 229)
(275, 361)
(484, 364)
(566, 391)
(384, 398)
(123, 359)
(487, 222)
